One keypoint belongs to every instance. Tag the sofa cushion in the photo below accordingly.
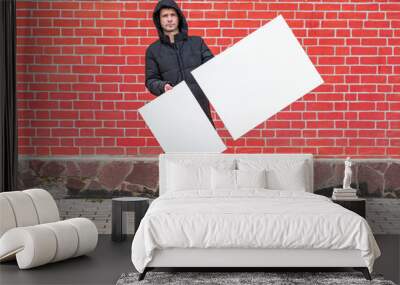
(46, 207)
(23, 208)
(7, 215)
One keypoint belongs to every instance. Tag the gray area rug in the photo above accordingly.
(273, 278)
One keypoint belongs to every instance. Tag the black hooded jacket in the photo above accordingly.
(171, 63)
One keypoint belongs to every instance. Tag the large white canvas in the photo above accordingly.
(257, 77)
(179, 124)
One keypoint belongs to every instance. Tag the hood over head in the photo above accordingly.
(183, 26)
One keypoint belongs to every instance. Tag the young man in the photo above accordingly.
(171, 58)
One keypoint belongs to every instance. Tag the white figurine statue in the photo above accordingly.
(347, 174)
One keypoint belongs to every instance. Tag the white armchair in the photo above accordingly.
(31, 230)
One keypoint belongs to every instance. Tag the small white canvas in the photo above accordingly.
(257, 77)
(179, 124)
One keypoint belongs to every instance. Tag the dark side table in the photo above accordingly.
(138, 205)
(355, 205)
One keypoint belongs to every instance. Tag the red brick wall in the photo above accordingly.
(81, 75)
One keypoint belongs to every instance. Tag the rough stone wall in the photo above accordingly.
(91, 178)
(111, 177)
(373, 178)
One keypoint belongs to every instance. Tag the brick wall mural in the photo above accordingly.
(80, 69)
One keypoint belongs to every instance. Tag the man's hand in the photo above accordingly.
(167, 87)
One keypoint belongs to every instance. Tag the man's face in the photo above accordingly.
(169, 20)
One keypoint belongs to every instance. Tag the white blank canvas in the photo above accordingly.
(179, 124)
(257, 77)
